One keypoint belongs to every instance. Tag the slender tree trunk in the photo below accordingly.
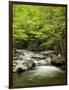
(61, 46)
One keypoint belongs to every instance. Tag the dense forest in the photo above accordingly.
(39, 28)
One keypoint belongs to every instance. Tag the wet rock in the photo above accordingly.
(20, 70)
(38, 56)
(23, 65)
(47, 52)
(58, 61)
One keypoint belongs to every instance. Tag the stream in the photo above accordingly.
(39, 75)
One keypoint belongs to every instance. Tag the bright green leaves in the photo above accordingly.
(44, 25)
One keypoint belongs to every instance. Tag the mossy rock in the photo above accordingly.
(58, 61)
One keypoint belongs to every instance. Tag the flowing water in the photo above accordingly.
(40, 75)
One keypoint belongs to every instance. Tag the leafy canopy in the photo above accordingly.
(44, 25)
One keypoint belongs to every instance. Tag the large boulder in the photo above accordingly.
(58, 61)
(22, 65)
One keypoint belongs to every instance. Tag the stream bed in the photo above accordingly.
(39, 75)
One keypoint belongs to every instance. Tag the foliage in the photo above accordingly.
(38, 27)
